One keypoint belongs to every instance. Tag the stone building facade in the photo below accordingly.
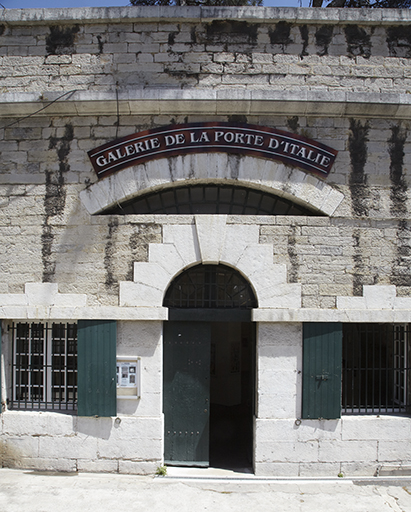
(334, 275)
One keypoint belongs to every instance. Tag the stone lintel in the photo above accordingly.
(86, 313)
(208, 102)
(330, 315)
(269, 315)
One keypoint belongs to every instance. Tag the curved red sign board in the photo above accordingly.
(246, 139)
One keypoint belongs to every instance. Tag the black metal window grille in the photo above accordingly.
(210, 286)
(210, 199)
(44, 368)
(376, 375)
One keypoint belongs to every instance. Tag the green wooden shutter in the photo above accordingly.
(322, 357)
(96, 368)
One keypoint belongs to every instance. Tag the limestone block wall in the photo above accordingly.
(49, 235)
(64, 442)
(57, 253)
(327, 257)
(284, 49)
(287, 446)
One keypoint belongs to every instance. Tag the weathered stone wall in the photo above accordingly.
(59, 261)
(65, 442)
(351, 445)
(253, 52)
(329, 257)
(49, 236)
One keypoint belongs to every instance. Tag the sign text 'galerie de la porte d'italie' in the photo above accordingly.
(245, 139)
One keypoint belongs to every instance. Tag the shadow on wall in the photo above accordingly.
(93, 427)
(312, 427)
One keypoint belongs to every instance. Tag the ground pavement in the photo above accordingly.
(29, 491)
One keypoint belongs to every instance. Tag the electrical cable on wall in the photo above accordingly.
(41, 109)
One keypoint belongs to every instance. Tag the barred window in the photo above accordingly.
(44, 368)
(376, 375)
(210, 198)
(210, 286)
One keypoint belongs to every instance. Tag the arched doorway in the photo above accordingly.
(209, 369)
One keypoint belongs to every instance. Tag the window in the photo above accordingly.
(210, 199)
(376, 373)
(210, 286)
(356, 369)
(44, 368)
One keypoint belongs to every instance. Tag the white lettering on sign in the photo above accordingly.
(203, 138)
(101, 160)
(274, 144)
(171, 140)
(239, 138)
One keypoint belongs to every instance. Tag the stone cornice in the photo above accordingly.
(209, 102)
(150, 14)
(160, 314)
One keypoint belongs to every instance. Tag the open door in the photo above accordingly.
(186, 393)
(209, 360)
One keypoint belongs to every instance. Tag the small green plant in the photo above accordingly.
(161, 471)
(340, 475)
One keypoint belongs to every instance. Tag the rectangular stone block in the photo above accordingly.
(24, 423)
(394, 450)
(387, 428)
(97, 466)
(319, 469)
(46, 464)
(283, 451)
(348, 451)
(359, 468)
(139, 467)
(274, 469)
(69, 447)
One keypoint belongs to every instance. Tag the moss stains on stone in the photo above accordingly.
(358, 41)
(61, 40)
(281, 34)
(292, 124)
(401, 269)
(323, 38)
(293, 256)
(232, 31)
(357, 147)
(237, 118)
(171, 38)
(110, 251)
(399, 41)
(54, 199)
(100, 44)
(140, 238)
(304, 37)
(398, 192)
(358, 271)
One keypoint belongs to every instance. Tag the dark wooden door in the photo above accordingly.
(186, 393)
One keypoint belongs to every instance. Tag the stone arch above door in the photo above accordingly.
(210, 240)
(291, 183)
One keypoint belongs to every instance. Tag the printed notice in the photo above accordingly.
(126, 375)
